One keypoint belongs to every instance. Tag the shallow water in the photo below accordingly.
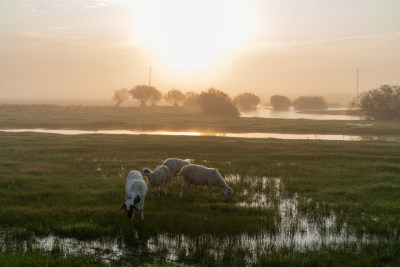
(242, 135)
(269, 112)
(294, 231)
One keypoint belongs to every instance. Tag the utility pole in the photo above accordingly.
(357, 82)
(149, 75)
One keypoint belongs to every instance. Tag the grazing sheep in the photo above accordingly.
(200, 175)
(160, 175)
(135, 193)
(175, 165)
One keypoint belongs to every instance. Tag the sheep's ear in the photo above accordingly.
(123, 207)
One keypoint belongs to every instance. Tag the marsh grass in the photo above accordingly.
(73, 187)
(166, 118)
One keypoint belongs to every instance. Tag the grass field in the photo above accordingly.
(343, 195)
(176, 119)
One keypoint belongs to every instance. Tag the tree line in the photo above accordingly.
(381, 103)
(211, 101)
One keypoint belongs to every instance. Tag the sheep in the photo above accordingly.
(160, 175)
(200, 175)
(175, 165)
(135, 193)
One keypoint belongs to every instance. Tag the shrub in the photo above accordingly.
(280, 102)
(310, 103)
(246, 101)
(217, 102)
(382, 103)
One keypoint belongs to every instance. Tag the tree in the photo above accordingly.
(310, 103)
(191, 100)
(382, 103)
(246, 101)
(145, 93)
(217, 102)
(280, 102)
(120, 96)
(174, 96)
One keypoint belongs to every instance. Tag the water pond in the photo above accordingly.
(269, 112)
(293, 231)
(242, 135)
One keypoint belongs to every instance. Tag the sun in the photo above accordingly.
(193, 34)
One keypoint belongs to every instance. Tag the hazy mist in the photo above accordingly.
(78, 52)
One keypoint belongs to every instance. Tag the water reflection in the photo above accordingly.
(332, 137)
(268, 112)
(294, 231)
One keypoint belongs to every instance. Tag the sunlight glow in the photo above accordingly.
(193, 34)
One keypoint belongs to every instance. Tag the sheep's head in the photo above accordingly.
(129, 207)
(146, 172)
(228, 192)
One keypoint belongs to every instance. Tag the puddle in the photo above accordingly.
(331, 137)
(293, 231)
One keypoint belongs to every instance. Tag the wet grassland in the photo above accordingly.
(295, 202)
(177, 119)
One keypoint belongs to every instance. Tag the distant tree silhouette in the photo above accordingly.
(191, 100)
(214, 101)
(382, 103)
(145, 93)
(174, 96)
(246, 101)
(120, 96)
(309, 103)
(280, 102)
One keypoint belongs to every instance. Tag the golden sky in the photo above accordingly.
(84, 49)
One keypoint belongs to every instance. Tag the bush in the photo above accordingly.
(145, 93)
(217, 102)
(246, 101)
(191, 99)
(174, 96)
(280, 102)
(382, 103)
(310, 103)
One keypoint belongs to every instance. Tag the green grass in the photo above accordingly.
(73, 186)
(176, 119)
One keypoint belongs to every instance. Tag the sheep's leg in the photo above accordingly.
(212, 191)
(141, 208)
(182, 189)
(170, 180)
(207, 190)
(151, 189)
(190, 190)
(159, 190)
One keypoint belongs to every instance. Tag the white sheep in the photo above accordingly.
(200, 175)
(135, 193)
(175, 165)
(159, 176)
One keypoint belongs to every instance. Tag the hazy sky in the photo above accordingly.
(84, 49)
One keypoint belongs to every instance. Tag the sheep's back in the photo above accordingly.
(175, 165)
(197, 174)
(130, 180)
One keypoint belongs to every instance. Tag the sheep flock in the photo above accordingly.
(136, 187)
